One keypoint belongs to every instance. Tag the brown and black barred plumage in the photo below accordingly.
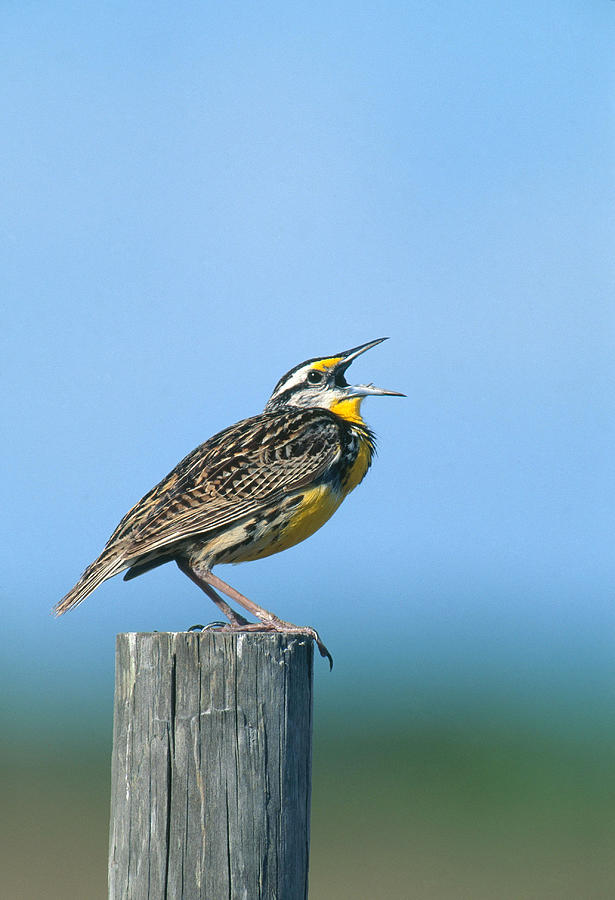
(251, 490)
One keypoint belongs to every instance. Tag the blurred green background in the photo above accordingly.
(196, 197)
(417, 792)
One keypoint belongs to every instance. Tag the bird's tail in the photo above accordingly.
(97, 572)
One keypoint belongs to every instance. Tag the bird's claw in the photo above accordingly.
(324, 652)
(279, 626)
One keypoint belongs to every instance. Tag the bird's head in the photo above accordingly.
(321, 383)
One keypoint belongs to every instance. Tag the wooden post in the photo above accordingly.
(211, 772)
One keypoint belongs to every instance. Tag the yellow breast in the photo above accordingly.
(318, 505)
(357, 471)
(350, 410)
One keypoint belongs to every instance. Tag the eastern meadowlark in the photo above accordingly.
(254, 489)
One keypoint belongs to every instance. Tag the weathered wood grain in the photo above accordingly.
(211, 771)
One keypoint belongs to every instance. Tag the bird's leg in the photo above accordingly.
(268, 621)
(234, 618)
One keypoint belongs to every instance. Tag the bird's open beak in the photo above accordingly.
(363, 390)
(370, 390)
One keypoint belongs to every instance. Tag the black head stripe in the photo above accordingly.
(295, 369)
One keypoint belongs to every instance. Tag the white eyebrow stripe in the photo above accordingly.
(295, 380)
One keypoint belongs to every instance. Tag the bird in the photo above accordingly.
(254, 489)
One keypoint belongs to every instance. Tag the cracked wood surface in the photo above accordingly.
(211, 769)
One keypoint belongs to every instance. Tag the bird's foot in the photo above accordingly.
(281, 627)
(237, 624)
(267, 620)
(212, 626)
(278, 626)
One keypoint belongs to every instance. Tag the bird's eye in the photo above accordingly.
(314, 377)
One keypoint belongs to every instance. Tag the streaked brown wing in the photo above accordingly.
(230, 476)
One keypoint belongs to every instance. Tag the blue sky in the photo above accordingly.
(196, 197)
